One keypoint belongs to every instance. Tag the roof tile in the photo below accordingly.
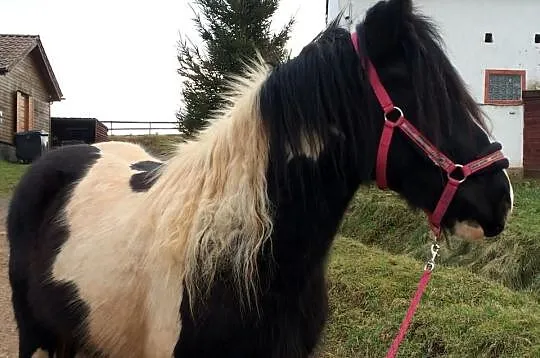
(14, 47)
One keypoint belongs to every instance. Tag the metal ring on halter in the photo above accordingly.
(457, 166)
(401, 115)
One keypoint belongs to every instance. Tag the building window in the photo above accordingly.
(504, 87)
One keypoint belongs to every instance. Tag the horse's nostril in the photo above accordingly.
(494, 230)
(498, 229)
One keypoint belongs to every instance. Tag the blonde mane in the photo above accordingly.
(209, 210)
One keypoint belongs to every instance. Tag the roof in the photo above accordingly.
(75, 119)
(80, 119)
(14, 48)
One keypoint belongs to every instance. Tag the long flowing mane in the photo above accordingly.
(328, 73)
(217, 214)
(209, 209)
(302, 103)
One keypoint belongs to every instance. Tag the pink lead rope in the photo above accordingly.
(438, 159)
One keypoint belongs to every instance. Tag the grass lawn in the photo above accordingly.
(381, 219)
(161, 146)
(9, 176)
(483, 299)
(461, 314)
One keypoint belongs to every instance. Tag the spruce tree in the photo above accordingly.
(231, 32)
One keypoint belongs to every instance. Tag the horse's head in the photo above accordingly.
(405, 51)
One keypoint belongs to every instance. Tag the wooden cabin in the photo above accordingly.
(28, 86)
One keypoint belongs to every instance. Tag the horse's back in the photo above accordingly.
(44, 188)
(130, 152)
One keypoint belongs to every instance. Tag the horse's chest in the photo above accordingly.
(133, 310)
(286, 326)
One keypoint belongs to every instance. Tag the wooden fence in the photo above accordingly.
(120, 127)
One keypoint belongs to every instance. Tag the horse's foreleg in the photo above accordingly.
(65, 350)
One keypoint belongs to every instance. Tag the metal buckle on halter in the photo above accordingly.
(398, 121)
(430, 264)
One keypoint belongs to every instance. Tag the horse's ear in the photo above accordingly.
(384, 24)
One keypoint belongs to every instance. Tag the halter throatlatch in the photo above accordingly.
(456, 174)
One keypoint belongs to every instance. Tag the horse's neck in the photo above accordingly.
(308, 211)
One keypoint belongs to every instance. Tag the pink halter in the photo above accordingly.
(456, 173)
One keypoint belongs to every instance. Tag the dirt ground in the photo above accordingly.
(8, 330)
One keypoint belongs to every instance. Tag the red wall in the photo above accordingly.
(531, 134)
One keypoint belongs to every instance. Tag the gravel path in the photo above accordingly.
(8, 329)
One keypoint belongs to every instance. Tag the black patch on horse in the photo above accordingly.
(144, 180)
(321, 92)
(145, 165)
(49, 314)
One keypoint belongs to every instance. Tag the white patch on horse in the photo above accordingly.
(129, 254)
(103, 257)
(468, 230)
(311, 146)
(40, 353)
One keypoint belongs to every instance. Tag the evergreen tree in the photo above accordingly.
(231, 31)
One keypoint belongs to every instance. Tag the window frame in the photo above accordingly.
(510, 102)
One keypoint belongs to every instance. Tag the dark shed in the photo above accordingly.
(71, 130)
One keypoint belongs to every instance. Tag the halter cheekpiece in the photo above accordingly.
(456, 173)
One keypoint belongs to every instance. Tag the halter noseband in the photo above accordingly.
(456, 173)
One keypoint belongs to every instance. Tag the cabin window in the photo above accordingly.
(504, 87)
(488, 37)
(537, 39)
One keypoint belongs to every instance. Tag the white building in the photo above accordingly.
(494, 44)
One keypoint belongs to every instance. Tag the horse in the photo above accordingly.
(220, 250)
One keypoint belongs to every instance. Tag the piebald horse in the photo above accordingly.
(220, 250)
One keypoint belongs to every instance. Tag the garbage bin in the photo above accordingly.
(30, 145)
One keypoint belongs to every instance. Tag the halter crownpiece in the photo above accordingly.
(456, 173)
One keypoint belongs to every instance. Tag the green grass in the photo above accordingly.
(461, 314)
(383, 220)
(161, 146)
(484, 301)
(10, 174)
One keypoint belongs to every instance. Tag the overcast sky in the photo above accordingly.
(116, 60)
